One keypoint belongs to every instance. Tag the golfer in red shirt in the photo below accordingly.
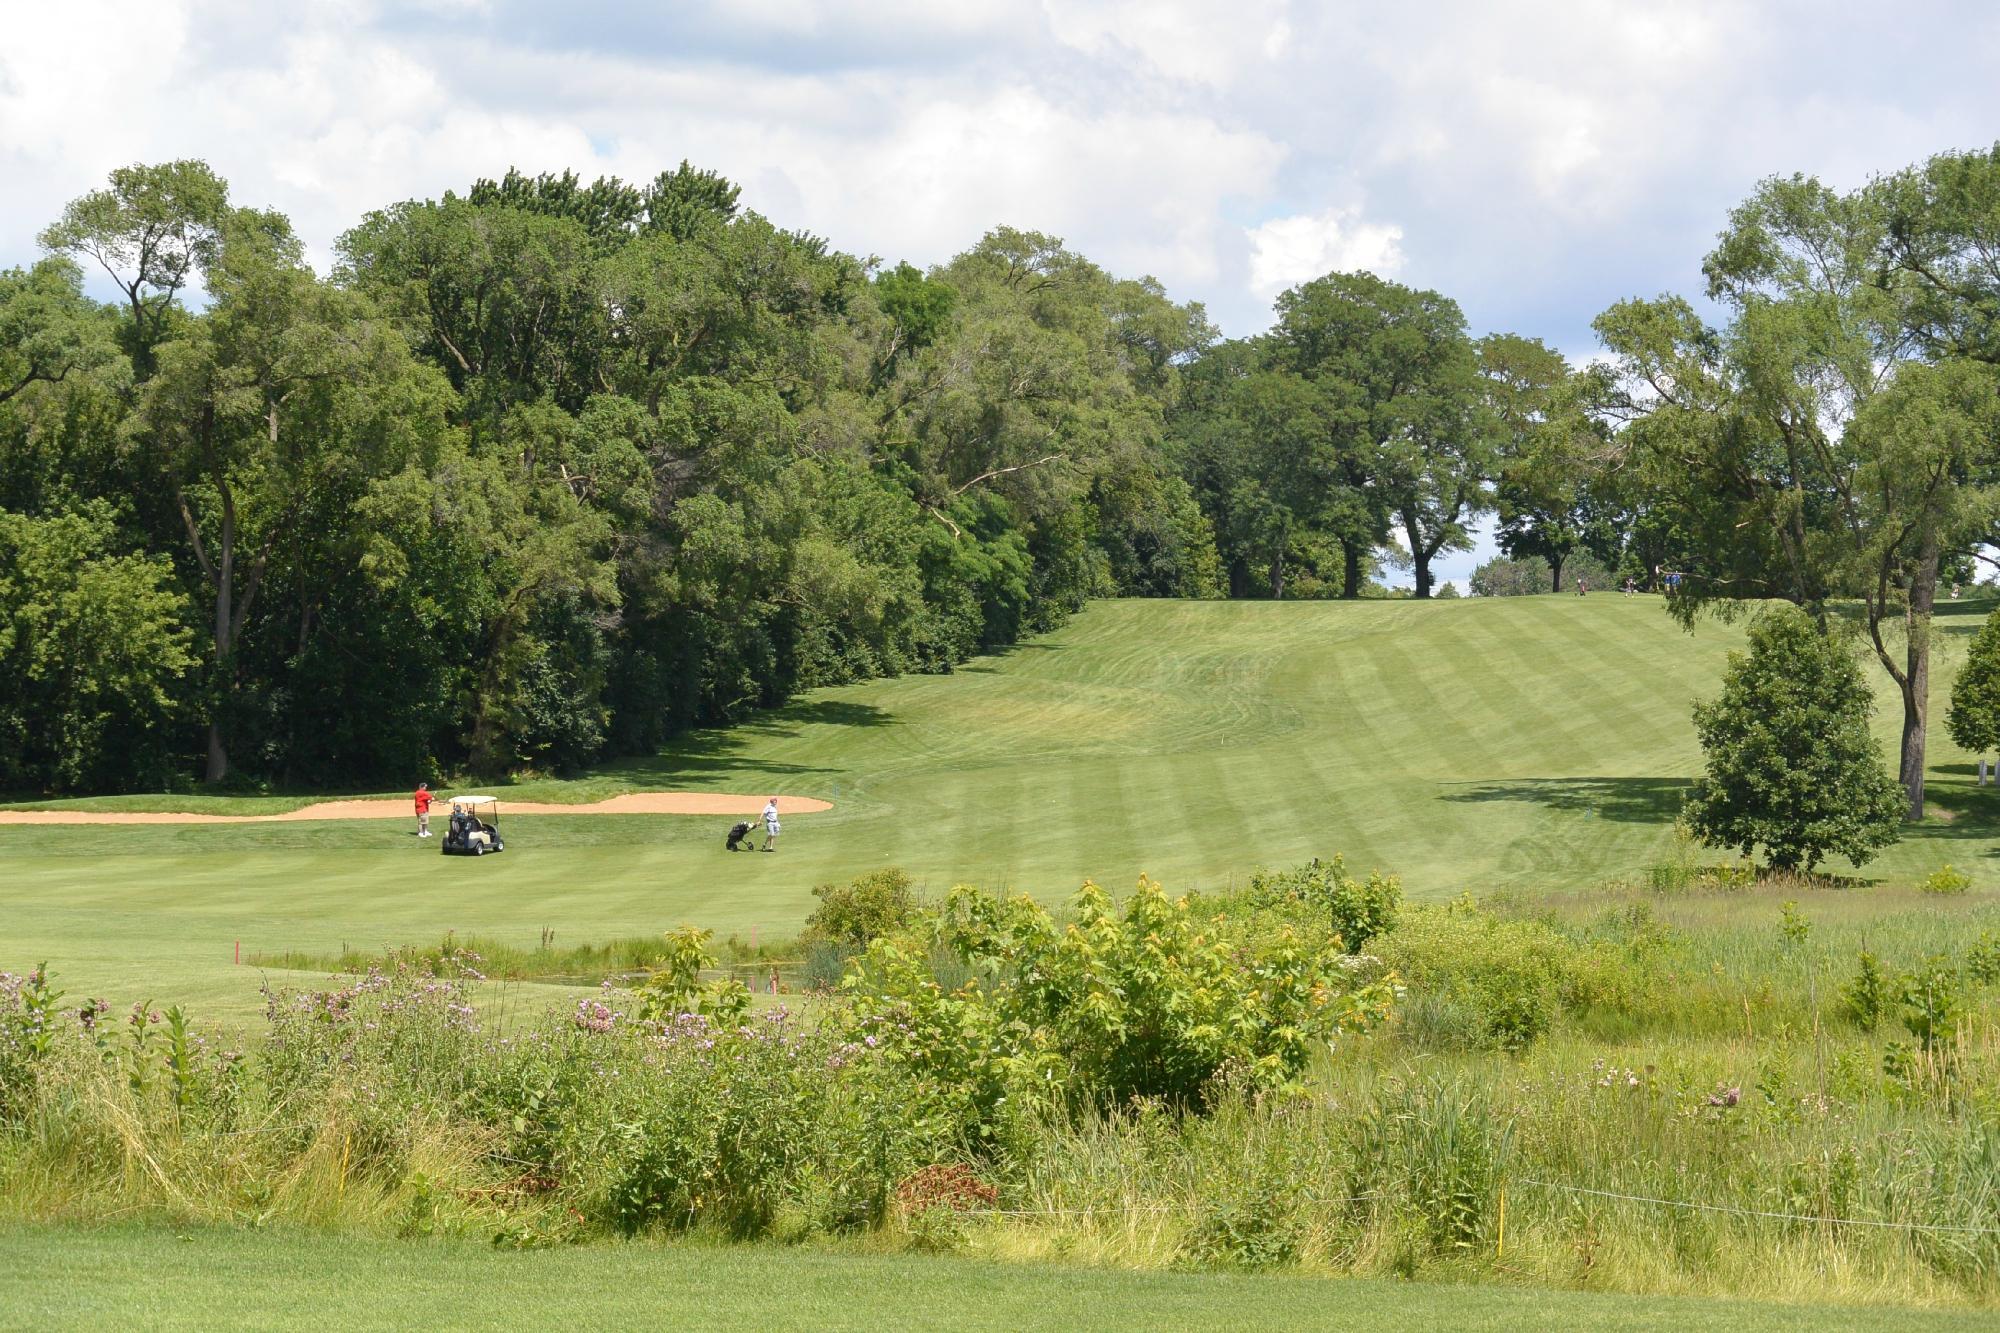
(423, 809)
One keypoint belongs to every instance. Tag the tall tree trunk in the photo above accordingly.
(1278, 574)
(1350, 572)
(225, 665)
(218, 757)
(1916, 684)
(483, 745)
(1420, 558)
(1555, 573)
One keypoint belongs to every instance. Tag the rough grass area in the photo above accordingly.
(207, 1279)
(1534, 744)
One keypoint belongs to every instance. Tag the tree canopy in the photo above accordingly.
(546, 470)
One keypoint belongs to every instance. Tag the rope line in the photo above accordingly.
(1140, 1207)
(1754, 1212)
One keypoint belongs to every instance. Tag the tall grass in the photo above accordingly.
(556, 962)
(1657, 1092)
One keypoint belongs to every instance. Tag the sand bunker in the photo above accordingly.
(633, 803)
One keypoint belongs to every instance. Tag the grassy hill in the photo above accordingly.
(1524, 744)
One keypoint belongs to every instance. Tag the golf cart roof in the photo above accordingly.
(475, 800)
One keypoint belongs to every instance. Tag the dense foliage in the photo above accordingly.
(542, 471)
(1148, 1000)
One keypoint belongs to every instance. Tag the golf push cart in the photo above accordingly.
(474, 827)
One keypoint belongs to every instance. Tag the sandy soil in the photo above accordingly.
(633, 803)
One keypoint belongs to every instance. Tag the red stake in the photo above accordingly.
(239, 953)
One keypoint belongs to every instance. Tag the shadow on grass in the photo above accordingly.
(790, 719)
(1959, 814)
(988, 663)
(719, 752)
(1629, 800)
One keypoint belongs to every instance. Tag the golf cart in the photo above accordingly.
(474, 827)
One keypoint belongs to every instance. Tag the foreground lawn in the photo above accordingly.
(1534, 744)
(245, 1279)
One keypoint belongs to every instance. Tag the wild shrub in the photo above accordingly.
(1946, 879)
(853, 915)
(1147, 1001)
(27, 1033)
(723, 1129)
(404, 1031)
(1254, 1226)
(1931, 1003)
(756, 1126)
(1356, 911)
(675, 985)
(1868, 996)
(1793, 926)
(1982, 959)
(1477, 980)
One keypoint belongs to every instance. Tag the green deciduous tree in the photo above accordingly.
(153, 229)
(92, 647)
(1807, 449)
(1417, 438)
(1790, 762)
(918, 309)
(48, 327)
(1553, 450)
(282, 386)
(1974, 718)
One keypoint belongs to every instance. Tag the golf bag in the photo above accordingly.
(737, 833)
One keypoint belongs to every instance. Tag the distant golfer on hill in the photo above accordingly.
(423, 809)
(771, 824)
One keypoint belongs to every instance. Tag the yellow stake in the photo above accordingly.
(1501, 1252)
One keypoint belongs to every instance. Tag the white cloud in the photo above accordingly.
(1535, 161)
(1196, 41)
(1287, 251)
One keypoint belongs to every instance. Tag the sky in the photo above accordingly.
(1536, 162)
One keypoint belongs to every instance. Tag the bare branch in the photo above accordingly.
(1003, 471)
(194, 535)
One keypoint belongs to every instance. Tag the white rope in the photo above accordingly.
(1138, 1207)
(1753, 1212)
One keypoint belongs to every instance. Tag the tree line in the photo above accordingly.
(540, 472)
(547, 471)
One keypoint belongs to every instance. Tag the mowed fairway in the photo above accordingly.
(1528, 743)
(200, 1279)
